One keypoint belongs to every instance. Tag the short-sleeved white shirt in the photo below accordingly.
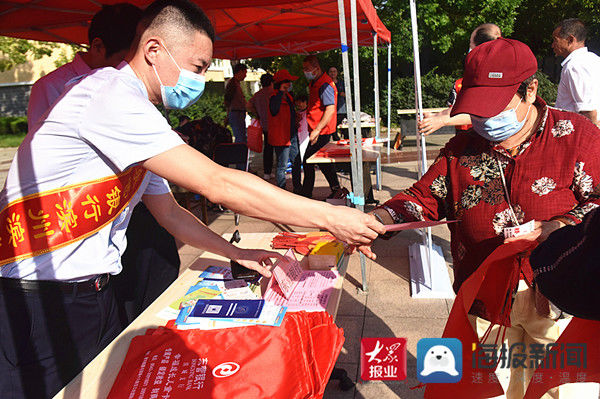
(48, 88)
(579, 86)
(100, 126)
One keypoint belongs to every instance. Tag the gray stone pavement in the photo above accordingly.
(386, 309)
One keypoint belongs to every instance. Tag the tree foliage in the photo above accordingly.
(537, 19)
(15, 51)
(444, 28)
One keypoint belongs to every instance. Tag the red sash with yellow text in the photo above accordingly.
(43, 222)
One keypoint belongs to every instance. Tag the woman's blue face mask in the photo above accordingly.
(500, 127)
(187, 90)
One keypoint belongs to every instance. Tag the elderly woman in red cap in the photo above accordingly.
(282, 121)
(522, 161)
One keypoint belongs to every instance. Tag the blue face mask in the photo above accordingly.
(187, 90)
(309, 75)
(500, 127)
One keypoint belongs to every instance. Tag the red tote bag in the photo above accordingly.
(246, 362)
(255, 136)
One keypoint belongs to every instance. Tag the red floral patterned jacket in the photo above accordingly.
(555, 173)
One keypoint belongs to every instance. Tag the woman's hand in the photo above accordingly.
(432, 122)
(540, 233)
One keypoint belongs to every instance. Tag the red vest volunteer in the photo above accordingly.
(280, 122)
(322, 93)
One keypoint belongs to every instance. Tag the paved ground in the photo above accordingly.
(386, 310)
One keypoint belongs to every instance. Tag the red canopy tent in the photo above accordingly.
(244, 28)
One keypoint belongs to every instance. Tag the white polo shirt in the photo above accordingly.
(100, 126)
(579, 87)
(48, 88)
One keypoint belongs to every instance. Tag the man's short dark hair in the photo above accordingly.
(483, 35)
(177, 14)
(573, 27)
(115, 25)
(239, 67)
(312, 60)
(266, 79)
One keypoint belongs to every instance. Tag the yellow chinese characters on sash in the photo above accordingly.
(42, 222)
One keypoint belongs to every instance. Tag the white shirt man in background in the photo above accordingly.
(579, 86)
(110, 34)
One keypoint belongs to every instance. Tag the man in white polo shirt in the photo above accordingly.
(579, 87)
(72, 185)
(110, 34)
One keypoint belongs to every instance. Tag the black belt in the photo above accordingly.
(95, 284)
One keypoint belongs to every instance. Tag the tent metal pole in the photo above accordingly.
(359, 196)
(421, 145)
(389, 96)
(377, 105)
(350, 118)
(347, 80)
(376, 87)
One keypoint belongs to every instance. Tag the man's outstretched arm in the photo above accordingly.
(246, 194)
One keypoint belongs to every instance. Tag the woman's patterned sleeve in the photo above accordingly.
(586, 176)
(425, 199)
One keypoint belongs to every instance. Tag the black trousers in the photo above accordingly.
(328, 169)
(267, 154)
(47, 337)
(150, 264)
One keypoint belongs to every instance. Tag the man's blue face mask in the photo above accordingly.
(500, 127)
(187, 90)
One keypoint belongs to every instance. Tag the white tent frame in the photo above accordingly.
(428, 273)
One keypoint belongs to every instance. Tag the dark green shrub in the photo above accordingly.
(13, 125)
(435, 91)
(546, 88)
(19, 126)
(4, 126)
(210, 104)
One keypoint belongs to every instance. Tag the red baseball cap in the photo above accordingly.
(493, 73)
(282, 75)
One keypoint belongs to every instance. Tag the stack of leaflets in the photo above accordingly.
(300, 289)
(216, 285)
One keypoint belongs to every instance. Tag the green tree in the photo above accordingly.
(444, 28)
(538, 18)
(67, 56)
(15, 51)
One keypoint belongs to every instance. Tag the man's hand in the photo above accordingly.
(355, 228)
(542, 231)
(257, 259)
(314, 136)
(432, 122)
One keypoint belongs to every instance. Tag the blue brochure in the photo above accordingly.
(226, 308)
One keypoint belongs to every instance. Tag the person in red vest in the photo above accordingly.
(282, 121)
(321, 118)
